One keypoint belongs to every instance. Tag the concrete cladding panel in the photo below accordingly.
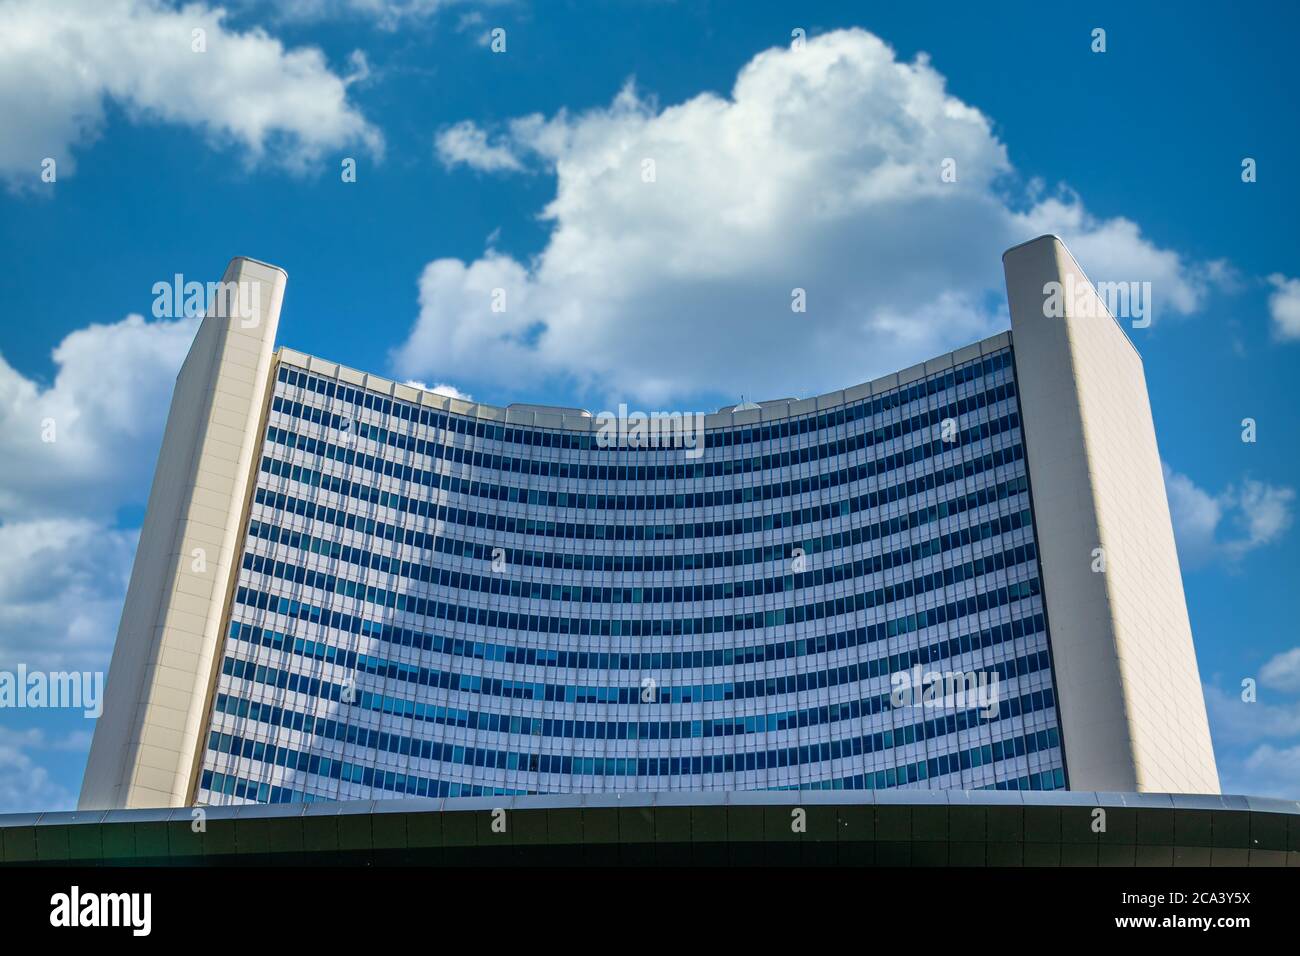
(1132, 708)
(143, 754)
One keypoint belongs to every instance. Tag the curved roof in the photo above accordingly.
(575, 419)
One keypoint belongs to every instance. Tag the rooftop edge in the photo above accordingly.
(778, 798)
(547, 416)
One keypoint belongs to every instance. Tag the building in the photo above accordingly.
(845, 828)
(352, 589)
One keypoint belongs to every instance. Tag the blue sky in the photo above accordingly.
(522, 170)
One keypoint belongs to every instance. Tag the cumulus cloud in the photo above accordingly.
(1229, 524)
(680, 233)
(25, 785)
(76, 449)
(466, 144)
(384, 14)
(1265, 771)
(1284, 307)
(1256, 741)
(1274, 771)
(1282, 671)
(451, 391)
(62, 582)
(1115, 250)
(60, 63)
(87, 441)
(1195, 512)
(80, 446)
(1236, 721)
(1264, 513)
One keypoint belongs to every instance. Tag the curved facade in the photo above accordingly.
(434, 604)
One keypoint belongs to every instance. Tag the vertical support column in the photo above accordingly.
(1131, 704)
(146, 741)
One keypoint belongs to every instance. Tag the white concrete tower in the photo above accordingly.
(148, 739)
(1132, 709)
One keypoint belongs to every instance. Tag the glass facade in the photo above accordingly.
(430, 604)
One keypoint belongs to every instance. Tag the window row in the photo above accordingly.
(545, 438)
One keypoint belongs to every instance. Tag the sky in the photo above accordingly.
(647, 182)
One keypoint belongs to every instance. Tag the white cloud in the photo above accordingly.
(1115, 250)
(1284, 306)
(104, 410)
(62, 582)
(1236, 721)
(451, 391)
(1195, 512)
(61, 62)
(384, 14)
(1269, 771)
(25, 785)
(1255, 742)
(820, 171)
(1227, 525)
(464, 143)
(1264, 513)
(468, 21)
(1282, 671)
(64, 559)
